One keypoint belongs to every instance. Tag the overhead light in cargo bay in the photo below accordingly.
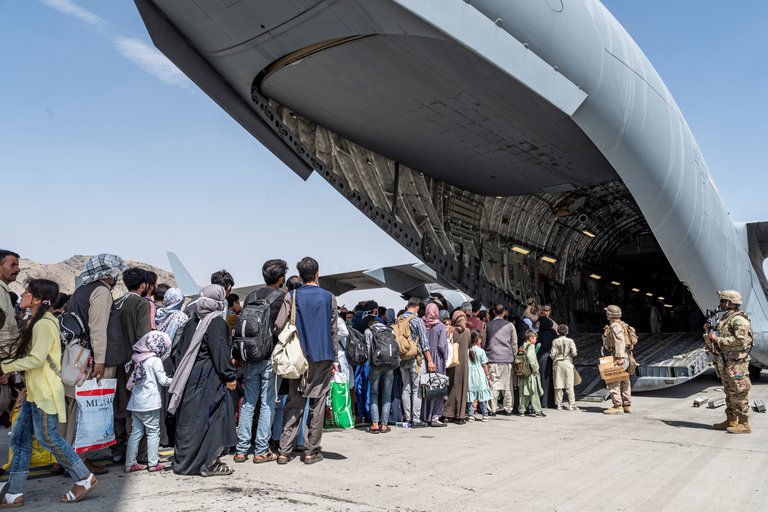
(649, 294)
(595, 276)
(636, 290)
(549, 259)
(667, 305)
(660, 298)
(520, 250)
(588, 233)
(615, 283)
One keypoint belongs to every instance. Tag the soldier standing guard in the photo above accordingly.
(731, 344)
(615, 339)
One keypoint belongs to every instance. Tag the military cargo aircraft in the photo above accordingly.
(518, 148)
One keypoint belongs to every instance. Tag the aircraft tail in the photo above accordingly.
(184, 279)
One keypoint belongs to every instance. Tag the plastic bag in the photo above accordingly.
(95, 415)
(338, 412)
(40, 456)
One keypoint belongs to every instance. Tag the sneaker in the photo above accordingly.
(156, 467)
(560, 407)
(117, 458)
(437, 423)
(573, 408)
(136, 467)
(419, 424)
(484, 418)
(471, 418)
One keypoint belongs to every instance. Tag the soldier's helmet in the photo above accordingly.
(731, 295)
(613, 311)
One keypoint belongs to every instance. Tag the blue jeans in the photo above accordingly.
(361, 390)
(279, 420)
(32, 420)
(139, 421)
(482, 404)
(259, 383)
(383, 379)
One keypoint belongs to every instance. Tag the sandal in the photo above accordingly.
(372, 430)
(284, 459)
(17, 502)
(384, 429)
(311, 459)
(87, 485)
(267, 457)
(217, 469)
(240, 457)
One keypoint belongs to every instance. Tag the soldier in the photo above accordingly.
(731, 348)
(615, 339)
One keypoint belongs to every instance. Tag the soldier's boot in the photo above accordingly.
(616, 409)
(742, 427)
(730, 421)
(627, 407)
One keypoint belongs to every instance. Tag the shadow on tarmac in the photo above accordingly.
(687, 424)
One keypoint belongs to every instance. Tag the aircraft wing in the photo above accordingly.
(409, 279)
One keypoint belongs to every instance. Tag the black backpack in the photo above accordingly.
(356, 349)
(385, 352)
(252, 339)
(72, 329)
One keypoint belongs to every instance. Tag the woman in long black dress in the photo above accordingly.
(205, 418)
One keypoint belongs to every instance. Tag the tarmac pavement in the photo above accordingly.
(664, 456)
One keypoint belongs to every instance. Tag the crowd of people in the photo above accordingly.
(181, 384)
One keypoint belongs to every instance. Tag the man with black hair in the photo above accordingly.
(259, 377)
(501, 347)
(134, 314)
(159, 294)
(149, 294)
(9, 270)
(220, 277)
(412, 369)
(233, 309)
(316, 315)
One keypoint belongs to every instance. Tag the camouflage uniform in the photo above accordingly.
(732, 360)
(614, 343)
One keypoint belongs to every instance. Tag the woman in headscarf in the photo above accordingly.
(456, 404)
(200, 398)
(170, 320)
(437, 338)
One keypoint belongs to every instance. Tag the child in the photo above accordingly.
(530, 386)
(145, 375)
(562, 354)
(479, 379)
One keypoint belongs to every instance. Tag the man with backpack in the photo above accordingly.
(92, 303)
(616, 338)
(384, 358)
(415, 359)
(253, 339)
(316, 315)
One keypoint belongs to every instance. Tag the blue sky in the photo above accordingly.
(104, 147)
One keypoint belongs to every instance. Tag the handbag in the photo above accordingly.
(434, 385)
(75, 361)
(576, 377)
(453, 355)
(288, 359)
